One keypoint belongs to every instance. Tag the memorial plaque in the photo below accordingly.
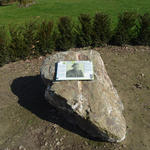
(74, 70)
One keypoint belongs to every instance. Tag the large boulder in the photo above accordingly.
(93, 105)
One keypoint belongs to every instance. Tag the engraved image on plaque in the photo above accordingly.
(76, 70)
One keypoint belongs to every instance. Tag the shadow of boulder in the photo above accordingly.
(30, 91)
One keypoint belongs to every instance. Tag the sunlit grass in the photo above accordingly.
(53, 9)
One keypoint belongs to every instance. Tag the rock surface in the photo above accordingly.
(92, 105)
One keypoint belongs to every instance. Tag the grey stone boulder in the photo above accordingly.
(94, 106)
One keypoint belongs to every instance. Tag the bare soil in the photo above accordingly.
(27, 122)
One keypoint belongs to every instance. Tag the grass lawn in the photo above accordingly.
(55, 8)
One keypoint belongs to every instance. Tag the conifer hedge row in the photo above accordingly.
(34, 39)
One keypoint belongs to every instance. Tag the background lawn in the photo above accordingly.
(55, 8)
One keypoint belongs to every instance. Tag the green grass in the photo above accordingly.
(55, 8)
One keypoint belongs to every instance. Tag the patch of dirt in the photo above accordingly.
(27, 122)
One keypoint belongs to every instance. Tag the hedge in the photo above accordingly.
(33, 39)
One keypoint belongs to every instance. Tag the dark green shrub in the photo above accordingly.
(29, 37)
(144, 32)
(65, 36)
(101, 29)
(44, 40)
(84, 31)
(17, 45)
(22, 41)
(4, 53)
(126, 29)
